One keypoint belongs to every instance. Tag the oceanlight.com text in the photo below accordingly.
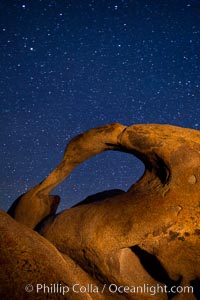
(76, 288)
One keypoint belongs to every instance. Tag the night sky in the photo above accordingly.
(68, 66)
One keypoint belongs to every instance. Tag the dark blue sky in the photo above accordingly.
(67, 66)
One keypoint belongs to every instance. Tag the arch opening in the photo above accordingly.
(112, 171)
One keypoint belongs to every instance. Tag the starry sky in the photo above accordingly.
(71, 65)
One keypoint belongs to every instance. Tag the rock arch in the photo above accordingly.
(159, 215)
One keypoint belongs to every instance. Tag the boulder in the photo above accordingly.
(32, 268)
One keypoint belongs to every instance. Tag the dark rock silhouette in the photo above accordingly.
(114, 240)
(100, 196)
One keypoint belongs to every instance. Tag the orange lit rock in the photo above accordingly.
(151, 233)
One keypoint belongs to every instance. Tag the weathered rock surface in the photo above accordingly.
(29, 259)
(148, 235)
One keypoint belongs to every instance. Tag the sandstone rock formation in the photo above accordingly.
(148, 235)
(27, 259)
